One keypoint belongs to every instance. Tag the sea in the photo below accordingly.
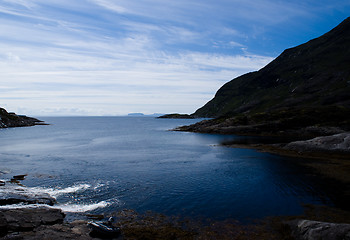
(101, 165)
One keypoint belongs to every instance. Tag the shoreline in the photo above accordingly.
(26, 222)
(333, 165)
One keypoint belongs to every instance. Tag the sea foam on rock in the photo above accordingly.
(14, 194)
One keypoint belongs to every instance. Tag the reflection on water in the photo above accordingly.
(104, 164)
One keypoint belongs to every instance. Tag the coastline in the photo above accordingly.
(10, 120)
(332, 164)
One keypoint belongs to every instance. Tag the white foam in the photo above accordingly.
(67, 207)
(98, 185)
(22, 205)
(55, 192)
(80, 208)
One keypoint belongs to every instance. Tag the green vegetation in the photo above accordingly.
(313, 75)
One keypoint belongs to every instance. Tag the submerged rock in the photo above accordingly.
(313, 230)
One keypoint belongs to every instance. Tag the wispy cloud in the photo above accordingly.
(113, 57)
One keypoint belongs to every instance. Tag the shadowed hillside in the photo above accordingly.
(308, 85)
(316, 73)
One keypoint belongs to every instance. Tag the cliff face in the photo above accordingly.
(312, 75)
(14, 120)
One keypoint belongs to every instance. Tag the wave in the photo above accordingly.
(81, 208)
(56, 192)
(71, 207)
(67, 207)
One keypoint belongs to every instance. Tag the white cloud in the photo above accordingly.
(114, 57)
(110, 6)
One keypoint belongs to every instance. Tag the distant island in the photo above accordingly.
(8, 120)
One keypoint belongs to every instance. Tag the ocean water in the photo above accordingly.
(105, 164)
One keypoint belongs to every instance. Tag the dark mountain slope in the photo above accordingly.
(315, 74)
(304, 92)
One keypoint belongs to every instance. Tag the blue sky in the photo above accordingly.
(114, 57)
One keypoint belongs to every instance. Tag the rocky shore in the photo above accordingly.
(8, 120)
(337, 143)
(27, 214)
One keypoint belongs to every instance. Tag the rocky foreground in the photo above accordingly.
(26, 215)
(8, 120)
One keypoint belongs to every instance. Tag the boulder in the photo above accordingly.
(313, 230)
(335, 143)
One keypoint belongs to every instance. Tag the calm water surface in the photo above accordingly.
(105, 164)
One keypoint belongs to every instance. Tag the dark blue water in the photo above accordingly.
(105, 164)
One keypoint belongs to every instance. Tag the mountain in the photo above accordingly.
(308, 85)
(13, 120)
(315, 74)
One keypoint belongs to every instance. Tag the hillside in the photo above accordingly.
(314, 74)
(305, 90)
(14, 120)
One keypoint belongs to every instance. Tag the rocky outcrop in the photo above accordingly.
(76, 230)
(338, 143)
(13, 120)
(313, 230)
(177, 116)
(32, 218)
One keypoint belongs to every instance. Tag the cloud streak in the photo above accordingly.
(107, 57)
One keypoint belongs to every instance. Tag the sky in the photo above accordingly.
(114, 57)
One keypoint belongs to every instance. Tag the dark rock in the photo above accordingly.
(313, 230)
(2, 183)
(14, 194)
(26, 219)
(13, 120)
(19, 177)
(77, 230)
(335, 143)
(177, 116)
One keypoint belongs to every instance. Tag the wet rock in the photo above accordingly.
(14, 194)
(19, 177)
(26, 219)
(66, 231)
(313, 230)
